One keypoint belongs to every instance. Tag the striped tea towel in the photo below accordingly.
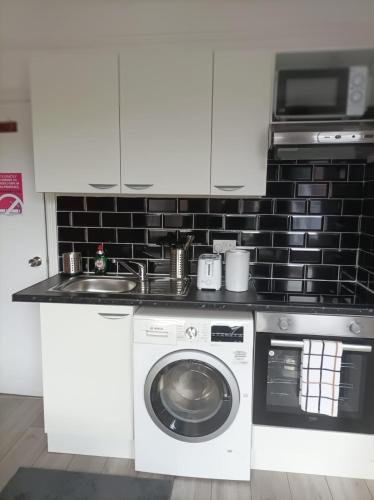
(320, 376)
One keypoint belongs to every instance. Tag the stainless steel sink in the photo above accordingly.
(89, 284)
(105, 284)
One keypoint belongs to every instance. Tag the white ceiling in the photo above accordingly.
(36, 24)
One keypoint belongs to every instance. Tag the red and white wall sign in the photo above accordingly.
(11, 193)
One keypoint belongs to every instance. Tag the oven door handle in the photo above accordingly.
(300, 344)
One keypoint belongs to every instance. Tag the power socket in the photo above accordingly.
(221, 246)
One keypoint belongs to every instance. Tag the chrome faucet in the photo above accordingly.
(141, 274)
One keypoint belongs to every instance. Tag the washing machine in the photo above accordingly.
(193, 392)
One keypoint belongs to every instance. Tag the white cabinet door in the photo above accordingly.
(87, 378)
(242, 97)
(166, 98)
(75, 120)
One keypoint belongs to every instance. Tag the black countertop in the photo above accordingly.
(353, 299)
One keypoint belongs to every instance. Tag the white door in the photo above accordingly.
(166, 100)
(242, 100)
(75, 113)
(21, 238)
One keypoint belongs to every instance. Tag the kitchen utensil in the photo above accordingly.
(179, 259)
(72, 263)
(209, 272)
(237, 270)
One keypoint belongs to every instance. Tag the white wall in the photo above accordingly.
(27, 25)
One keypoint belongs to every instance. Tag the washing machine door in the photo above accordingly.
(191, 395)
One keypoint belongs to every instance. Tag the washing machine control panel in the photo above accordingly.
(227, 333)
(202, 333)
(191, 332)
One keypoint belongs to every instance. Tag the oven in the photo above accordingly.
(278, 351)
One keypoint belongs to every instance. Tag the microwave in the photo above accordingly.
(334, 93)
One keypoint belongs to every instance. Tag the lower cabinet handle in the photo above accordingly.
(112, 315)
(229, 188)
(138, 186)
(103, 186)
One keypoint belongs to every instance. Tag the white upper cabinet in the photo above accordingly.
(166, 100)
(242, 97)
(75, 114)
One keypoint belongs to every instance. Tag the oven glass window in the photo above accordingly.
(311, 92)
(283, 381)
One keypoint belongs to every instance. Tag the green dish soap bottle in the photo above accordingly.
(101, 261)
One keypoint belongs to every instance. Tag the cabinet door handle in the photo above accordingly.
(229, 188)
(138, 186)
(103, 186)
(113, 315)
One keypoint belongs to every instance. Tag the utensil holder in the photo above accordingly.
(178, 263)
(72, 263)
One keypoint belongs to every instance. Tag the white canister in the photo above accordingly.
(237, 270)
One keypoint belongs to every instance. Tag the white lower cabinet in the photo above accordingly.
(87, 379)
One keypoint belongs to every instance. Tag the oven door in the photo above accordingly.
(303, 94)
(277, 379)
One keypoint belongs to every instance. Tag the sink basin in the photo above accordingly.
(98, 285)
(105, 284)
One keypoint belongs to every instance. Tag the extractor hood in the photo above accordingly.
(322, 140)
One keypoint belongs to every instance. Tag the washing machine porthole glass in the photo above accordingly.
(192, 399)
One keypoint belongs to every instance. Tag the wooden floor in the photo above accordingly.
(23, 443)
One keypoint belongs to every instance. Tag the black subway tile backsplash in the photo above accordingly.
(162, 205)
(86, 219)
(224, 206)
(296, 172)
(312, 190)
(101, 235)
(257, 206)
(322, 272)
(289, 239)
(305, 256)
(178, 220)
(288, 271)
(101, 203)
(208, 221)
(290, 206)
(341, 257)
(315, 219)
(146, 220)
(323, 240)
(242, 222)
(193, 205)
(347, 189)
(272, 255)
(63, 218)
(131, 236)
(257, 239)
(341, 224)
(71, 234)
(280, 189)
(331, 173)
(325, 207)
(308, 223)
(131, 204)
(70, 203)
(115, 220)
(273, 222)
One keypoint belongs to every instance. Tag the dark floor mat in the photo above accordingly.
(43, 484)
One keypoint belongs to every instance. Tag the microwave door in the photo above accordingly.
(312, 94)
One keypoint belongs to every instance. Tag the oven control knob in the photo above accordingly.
(355, 328)
(191, 332)
(283, 323)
